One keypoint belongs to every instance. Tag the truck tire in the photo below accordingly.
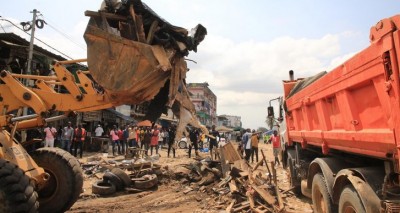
(114, 179)
(65, 183)
(17, 194)
(322, 202)
(126, 180)
(103, 188)
(349, 201)
(292, 176)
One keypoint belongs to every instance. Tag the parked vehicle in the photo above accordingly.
(340, 130)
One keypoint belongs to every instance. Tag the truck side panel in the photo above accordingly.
(355, 107)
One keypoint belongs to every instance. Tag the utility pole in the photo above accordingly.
(29, 82)
(30, 53)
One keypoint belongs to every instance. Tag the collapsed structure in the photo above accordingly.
(133, 56)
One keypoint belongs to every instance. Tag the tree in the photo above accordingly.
(270, 122)
(262, 129)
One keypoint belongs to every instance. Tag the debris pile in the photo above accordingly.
(230, 183)
(236, 185)
(131, 175)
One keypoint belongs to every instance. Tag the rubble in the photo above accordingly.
(231, 183)
(234, 183)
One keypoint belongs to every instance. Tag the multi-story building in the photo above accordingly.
(231, 121)
(205, 102)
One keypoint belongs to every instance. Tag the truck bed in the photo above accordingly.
(355, 107)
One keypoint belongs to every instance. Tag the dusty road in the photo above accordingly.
(170, 196)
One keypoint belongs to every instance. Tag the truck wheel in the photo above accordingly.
(292, 176)
(16, 192)
(321, 199)
(65, 183)
(350, 202)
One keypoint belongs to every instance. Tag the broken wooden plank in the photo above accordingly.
(107, 15)
(152, 30)
(226, 167)
(259, 163)
(278, 195)
(241, 206)
(264, 194)
(266, 164)
(224, 181)
(244, 174)
(251, 199)
(232, 186)
(229, 208)
(231, 154)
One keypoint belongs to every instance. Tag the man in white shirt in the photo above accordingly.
(50, 135)
(99, 131)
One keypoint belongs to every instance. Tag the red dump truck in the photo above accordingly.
(341, 129)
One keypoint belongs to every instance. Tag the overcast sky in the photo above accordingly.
(250, 46)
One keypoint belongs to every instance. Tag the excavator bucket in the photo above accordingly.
(128, 70)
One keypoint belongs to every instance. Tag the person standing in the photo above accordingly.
(213, 140)
(166, 137)
(132, 137)
(121, 140)
(246, 142)
(146, 139)
(154, 140)
(58, 140)
(99, 131)
(125, 136)
(79, 135)
(171, 141)
(276, 144)
(254, 146)
(114, 139)
(67, 137)
(194, 139)
(160, 138)
(50, 135)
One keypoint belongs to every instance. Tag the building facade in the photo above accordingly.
(231, 121)
(205, 102)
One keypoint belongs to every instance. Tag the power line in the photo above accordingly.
(2, 19)
(3, 28)
(63, 33)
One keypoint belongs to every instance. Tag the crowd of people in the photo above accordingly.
(71, 138)
(249, 145)
(147, 138)
(152, 139)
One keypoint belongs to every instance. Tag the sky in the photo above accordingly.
(250, 45)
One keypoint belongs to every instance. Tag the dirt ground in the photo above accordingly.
(169, 195)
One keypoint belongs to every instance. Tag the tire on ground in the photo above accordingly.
(65, 183)
(114, 179)
(151, 181)
(321, 199)
(182, 145)
(103, 188)
(349, 201)
(123, 176)
(17, 194)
